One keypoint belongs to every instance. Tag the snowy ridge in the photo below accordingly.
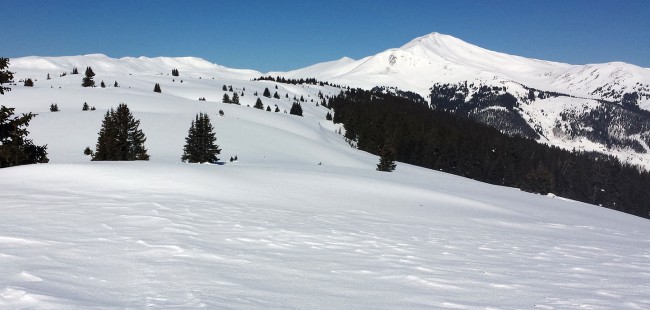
(439, 58)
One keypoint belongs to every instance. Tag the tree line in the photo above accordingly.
(440, 140)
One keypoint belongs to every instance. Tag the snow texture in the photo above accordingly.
(302, 220)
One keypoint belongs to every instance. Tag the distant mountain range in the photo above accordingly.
(594, 107)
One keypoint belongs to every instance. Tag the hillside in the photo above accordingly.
(301, 220)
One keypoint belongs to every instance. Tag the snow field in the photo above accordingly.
(276, 230)
(135, 235)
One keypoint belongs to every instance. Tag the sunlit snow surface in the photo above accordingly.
(276, 230)
(132, 235)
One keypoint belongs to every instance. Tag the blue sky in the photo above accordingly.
(284, 35)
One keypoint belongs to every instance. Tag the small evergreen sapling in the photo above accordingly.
(54, 107)
(259, 104)
(85, 107)
(200, 144)
(87, 81)
(29, 82)
(296, 109)
(156, 88)
(386, 159)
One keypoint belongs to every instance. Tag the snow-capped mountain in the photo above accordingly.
(439, 58)
(559, 104)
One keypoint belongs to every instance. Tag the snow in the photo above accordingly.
(300, 221)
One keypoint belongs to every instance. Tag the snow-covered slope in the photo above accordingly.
(302, 220)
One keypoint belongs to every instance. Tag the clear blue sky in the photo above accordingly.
(283, 35)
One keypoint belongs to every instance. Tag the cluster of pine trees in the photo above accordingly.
(15, 147)
(309, 81)
(120, 137)
(443, 141)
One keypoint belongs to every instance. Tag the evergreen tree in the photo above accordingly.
(29, 82)
(200, 144)
(175, 72)
(226, 98)
(296, 109)
(75, 71)
(156, 88)
(230, 88)
(386, 159)
(88, 151)
(276, 96)
(259, 104)
(102, 85)
(48, 76)
(115, 84)
(224, 88)
(277, 109)
(268, 108)
(87, 81)
(15, 148)
(266, 93)
(54, 107)
(235, 98)
(85, 107)
(120, 137)
(328, 116)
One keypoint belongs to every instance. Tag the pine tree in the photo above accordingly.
(296, 109)
(224, 88)
(156, 88)
(54, 107)
(328, 116)
(226, 98)
(29, 82)
(386, 159)
(266, 93)
(48, 76)
(276, 96)
(75, 71)
(85, 107)
(15, 148)
(115, 84)
(120, 137)
(235, 99)
(87, 81)
(88, 151)
(268, 108)
(277, 109)
(102, 85)
(175, 72)
(259, 104)
(200, 144)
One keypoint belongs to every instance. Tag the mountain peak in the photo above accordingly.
(434, 39)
